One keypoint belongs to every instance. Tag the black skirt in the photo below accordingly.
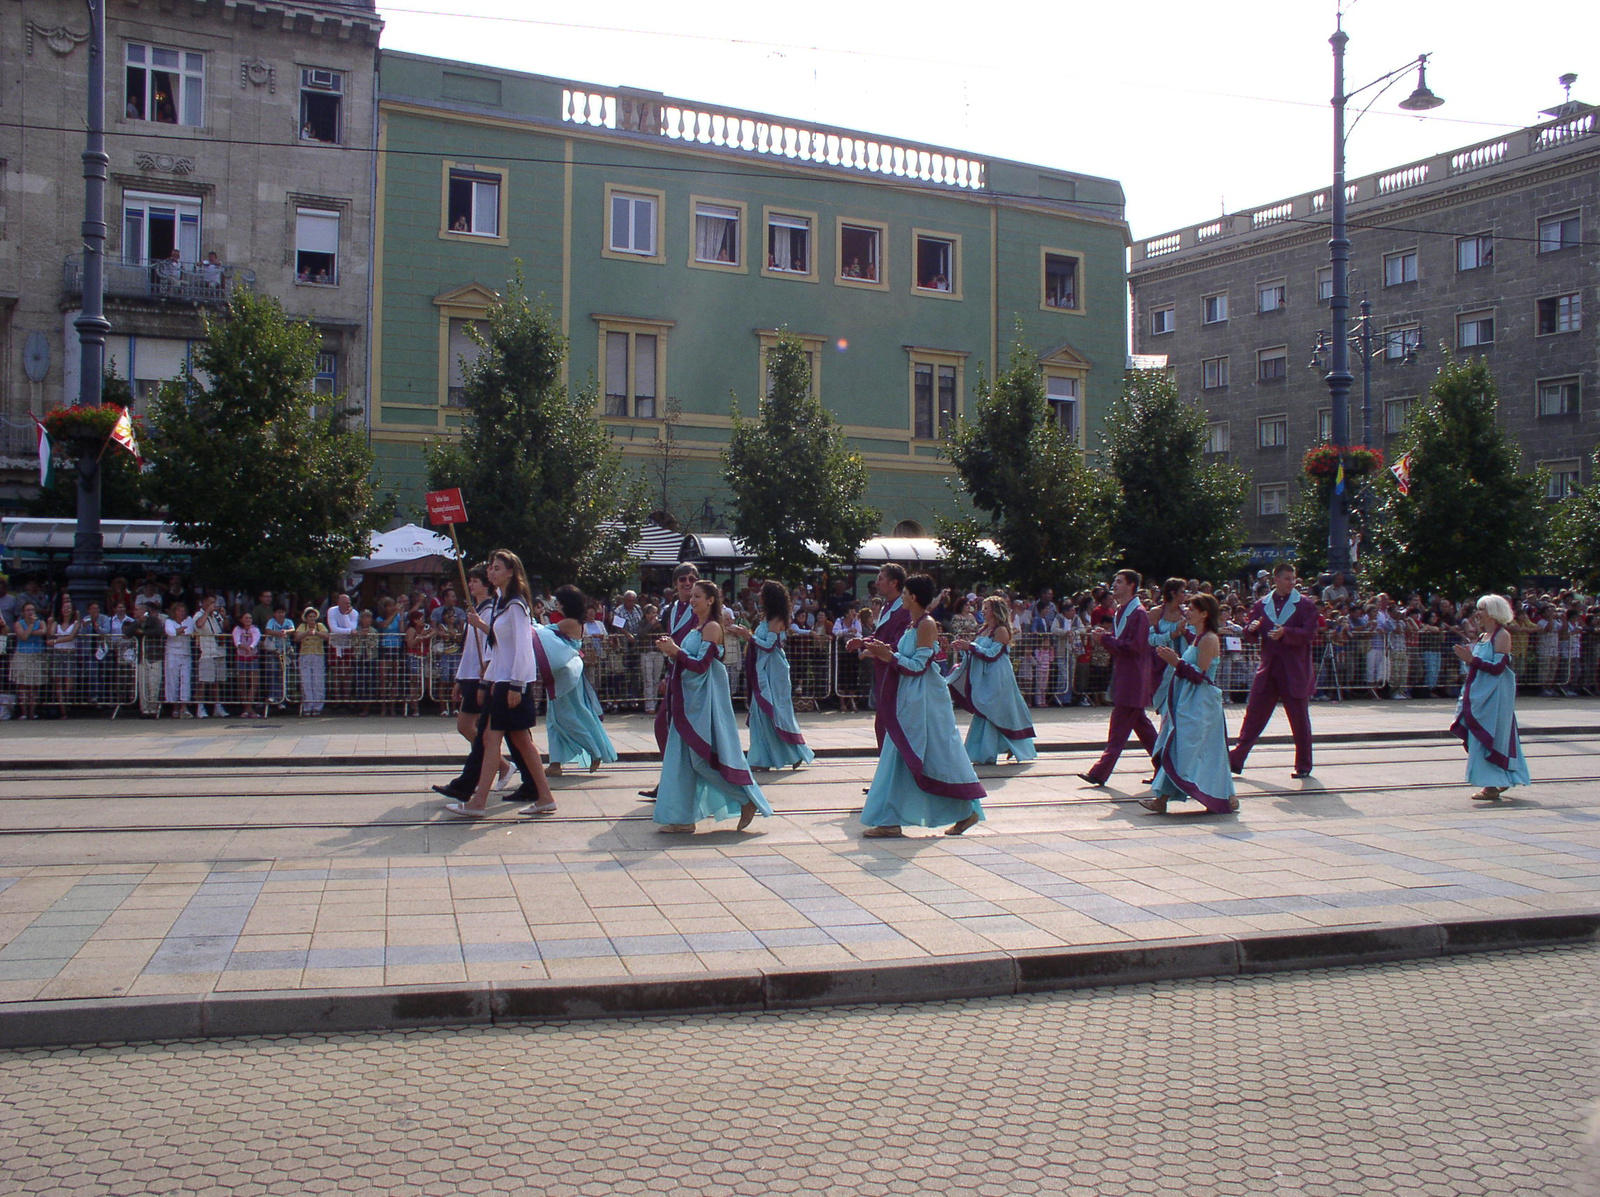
(471, 702)
(506, 718)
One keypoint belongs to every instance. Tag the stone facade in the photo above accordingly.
(673, 240)
(1506, 231)
(243, 129)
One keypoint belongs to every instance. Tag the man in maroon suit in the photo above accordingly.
(1285, 624)
(679, 620)
(1131, 676)
(892, 623)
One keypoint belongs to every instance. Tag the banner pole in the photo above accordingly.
(461, 565)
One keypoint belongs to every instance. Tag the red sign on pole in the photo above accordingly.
(446, 507)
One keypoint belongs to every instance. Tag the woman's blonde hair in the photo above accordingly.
(1496, 608)
(996, 607)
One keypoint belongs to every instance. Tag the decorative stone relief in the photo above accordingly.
(60, 39)
(170, 164)
(257, 71)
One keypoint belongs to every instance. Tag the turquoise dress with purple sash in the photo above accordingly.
(573, 711)
(775, 739)
(1192, 749)
(985, 685)
(703, 769)
(924, 778)
(1486, 721)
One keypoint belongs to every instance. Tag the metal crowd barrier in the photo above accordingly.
(90, 669)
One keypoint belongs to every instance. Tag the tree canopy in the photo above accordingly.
(536, 466)
(791, 476)
(1575, 531)
(1472, 521)
(1044, 508)
(255, 469)
(1176, 514)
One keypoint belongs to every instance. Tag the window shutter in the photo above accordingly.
(316, 232)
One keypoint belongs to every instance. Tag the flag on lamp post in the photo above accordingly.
(1402, 474)
(47, 465)
(122, 433)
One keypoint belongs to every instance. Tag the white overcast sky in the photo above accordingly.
(1195, 107)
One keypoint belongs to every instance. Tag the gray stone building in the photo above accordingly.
(241, 129)
(1490, 249)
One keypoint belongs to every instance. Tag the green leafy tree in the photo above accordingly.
(122, 494)
(1037, 499)
(1575, 532)
(1308, 519)
(536, 466)
(791, 476)
(1473, 522)
(272, 493)
(1176, 514)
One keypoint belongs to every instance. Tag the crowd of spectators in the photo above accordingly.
(181, 649)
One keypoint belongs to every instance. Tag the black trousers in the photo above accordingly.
(474, 763)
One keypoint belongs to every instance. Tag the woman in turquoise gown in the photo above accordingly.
(703, 770)
(1169, 628)
(1486, 717)
(775, 739)
(924, 777)
(985, 685)
(1192, 749)
(573, 712)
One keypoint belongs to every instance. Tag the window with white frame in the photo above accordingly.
(1272, 432)
(1325, 424)
(1474, 252)
(316, 246)
(1396, 413)
(1558, 397)
(1272, 498)
(1271, 297)
(1213, 373)
(165, 85)
(935, 263)
(1560, 314)
(716, 234)
(1163, 320)
(1401, 342)
(861, 253)
(1563, 479)
(633, 224)
(1475, 330)
(1217, 437)
(789, 244)
(155, 225)
(933, 399)
(473, 203)
(1400, 268)
(1061, 281)
(1558, 232)
(631, 368)
(1324, 283)
(1063, 393)
(321, 97)
(326, 379)
(1272, 365)
(462, 352)
(1214, 308)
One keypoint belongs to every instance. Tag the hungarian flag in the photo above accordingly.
(122, 433)
(47, 466)
(1402, 474)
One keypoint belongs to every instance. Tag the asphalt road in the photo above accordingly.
(1464, 1076)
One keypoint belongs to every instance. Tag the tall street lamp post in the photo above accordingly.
(86, 575)
(1339, 377)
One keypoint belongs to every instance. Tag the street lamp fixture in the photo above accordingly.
(1339, 376)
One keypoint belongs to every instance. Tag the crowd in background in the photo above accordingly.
(176, 647)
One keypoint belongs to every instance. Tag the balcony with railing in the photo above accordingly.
(1576, 131)
(160, 282)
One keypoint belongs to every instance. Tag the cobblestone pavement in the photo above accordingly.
(145, 882)
(1461, 1077)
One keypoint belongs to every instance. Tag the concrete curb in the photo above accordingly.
(989, 974)
(635, 757)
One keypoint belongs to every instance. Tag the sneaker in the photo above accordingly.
(220, 711)
(200, 712)
(649, 708)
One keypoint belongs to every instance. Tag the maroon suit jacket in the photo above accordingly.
(1287, 661)
(889, 632)
(1132, 682)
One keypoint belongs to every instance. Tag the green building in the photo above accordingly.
(674, 241)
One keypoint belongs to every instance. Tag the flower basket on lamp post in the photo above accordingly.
(1322, 461)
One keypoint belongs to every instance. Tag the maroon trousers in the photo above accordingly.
(1265, 695)
(1125, 721)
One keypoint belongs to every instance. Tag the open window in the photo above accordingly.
(321, 100)
(1063, 280)
(861, 253)
(164, 85)
(936, 264)
(316, 246)
(473, 202)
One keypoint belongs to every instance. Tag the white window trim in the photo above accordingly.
(657, 258)
(1282, 286)
(958, 265)
(1261, 494)
(1561, 218)
(1558, 332)
(1171, 312)
(445, 232)
(1263, 421)
(1576, 380)
(1416, 266)
(695, 262)
(861, 284)
(1222, 295)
